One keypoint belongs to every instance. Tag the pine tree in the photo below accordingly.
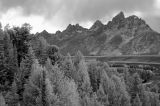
(108, 87)
(33, 94)
(12, 98)
(2, 100)
(128, 79)
(53, 53)
(91, 101)
(150, 98)
(68, 93)
(54, 74)
(94, 72)
(68, 67)
(136, 86)
(121, 93)
(63, 87)
(22, 76)
(115, 89)
(20, 38)
(82, 77)
(51, 98)
(137, 101)
(43, 89)
(40, 49)
(102, 97)
(8, 65)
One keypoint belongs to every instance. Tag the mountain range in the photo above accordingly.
(120, 36)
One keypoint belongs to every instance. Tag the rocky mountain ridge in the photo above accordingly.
(120, 36)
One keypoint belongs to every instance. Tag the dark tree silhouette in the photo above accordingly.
(20, 38)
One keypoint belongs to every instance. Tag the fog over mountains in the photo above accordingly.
(120, 36)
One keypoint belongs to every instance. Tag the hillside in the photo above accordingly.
(120, 36)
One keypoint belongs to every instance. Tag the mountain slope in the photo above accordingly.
(121, 36)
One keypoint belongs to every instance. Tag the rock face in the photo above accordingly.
(121, 36)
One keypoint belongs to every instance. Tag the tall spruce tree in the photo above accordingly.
(137, 101)
(20, 37)
(12, 98)
(63, 87)
(2, 100)
(22, 76)
(82, 77)
(35, 89)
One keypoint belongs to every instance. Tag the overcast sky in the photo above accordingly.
(54, 15)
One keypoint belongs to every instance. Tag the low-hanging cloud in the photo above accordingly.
(80, 9)
(69, 11)
(29, 7)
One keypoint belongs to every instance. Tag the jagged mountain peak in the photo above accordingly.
(121, 36)
(58, 32)
(44, 32)
(134, 21)
(120, 14)
(77, 25)
(72, 28)
(131, 22)
(118, 20)
(119, 17)
(69, 27)
(97, 24)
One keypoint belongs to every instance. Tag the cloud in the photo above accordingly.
(15, 17)
(78, 9)
(41, 7)
(157, 4)
(154, 22)
(62, 12)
